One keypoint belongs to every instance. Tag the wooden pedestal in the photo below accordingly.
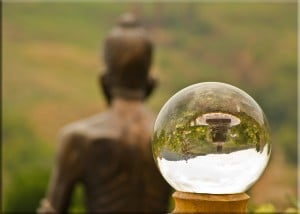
(210, 203)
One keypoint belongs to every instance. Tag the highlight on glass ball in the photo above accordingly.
(211, 138)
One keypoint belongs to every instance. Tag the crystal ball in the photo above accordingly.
(211, 138)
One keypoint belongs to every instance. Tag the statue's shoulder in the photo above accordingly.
(94, 128)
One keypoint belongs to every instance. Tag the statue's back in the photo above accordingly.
(119, 171)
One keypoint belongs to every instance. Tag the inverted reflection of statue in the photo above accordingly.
(110, 153)
(219, 124)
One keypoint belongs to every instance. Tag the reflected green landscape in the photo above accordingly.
(197, 140)
(180, 132)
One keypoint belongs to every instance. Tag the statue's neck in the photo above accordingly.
(123, 104)
(128, 94)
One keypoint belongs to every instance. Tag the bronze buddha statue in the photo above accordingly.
(110, 153)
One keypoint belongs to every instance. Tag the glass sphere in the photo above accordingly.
(211, 138)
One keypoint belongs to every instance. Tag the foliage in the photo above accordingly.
(265, 208)
(78, 200)
(26, 190)
(179, 137)
(26, 167)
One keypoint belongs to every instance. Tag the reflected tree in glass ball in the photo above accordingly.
(212, 138)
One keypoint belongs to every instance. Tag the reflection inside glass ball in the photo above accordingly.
(211, 138)
(219, 123)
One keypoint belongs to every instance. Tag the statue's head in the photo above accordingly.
(127, 55)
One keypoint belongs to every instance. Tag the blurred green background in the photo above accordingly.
(52, 56)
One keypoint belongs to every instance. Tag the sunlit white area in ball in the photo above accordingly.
(211, 138)
(216, 174)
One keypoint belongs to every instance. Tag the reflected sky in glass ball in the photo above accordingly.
(211, 138)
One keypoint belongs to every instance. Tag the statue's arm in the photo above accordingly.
(66, 172)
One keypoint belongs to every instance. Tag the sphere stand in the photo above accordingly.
(210, 203)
